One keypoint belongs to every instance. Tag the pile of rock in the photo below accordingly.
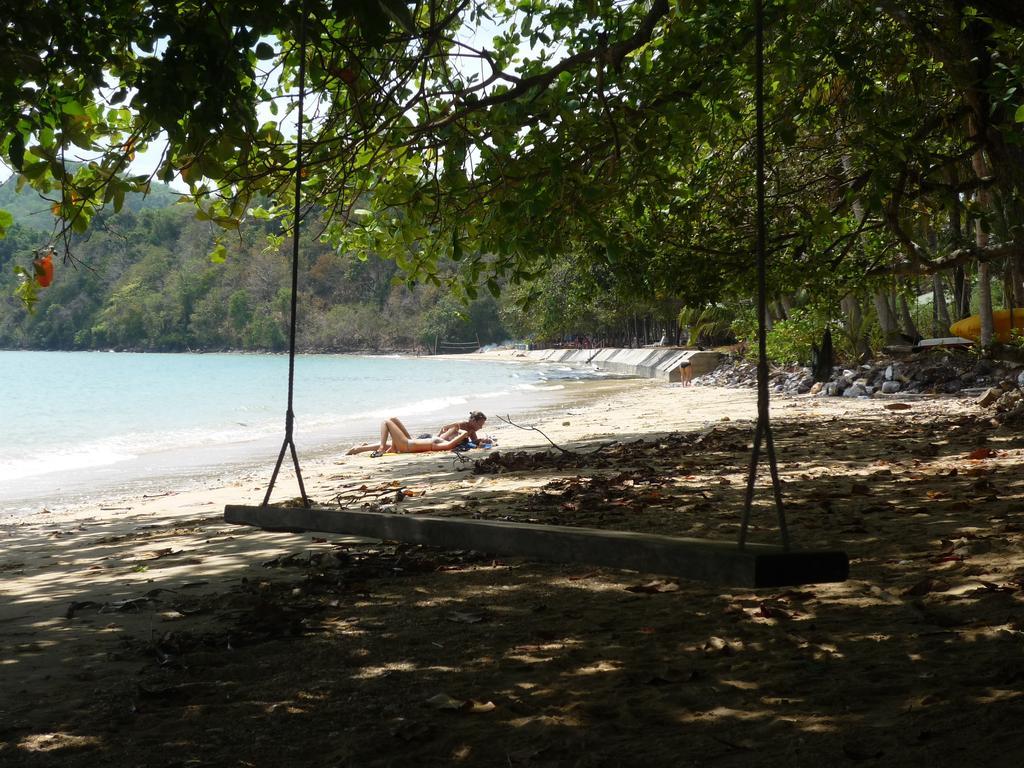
(1006, 399)
(731, 372)
(932, 372)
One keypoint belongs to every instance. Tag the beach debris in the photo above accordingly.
(294, 503)
(466, 617)
(982, 453)
(79, 605)
(409, 731)
(130, 605)
(719, 646)
(395, 489)
(897, 406)
(443, 701)
(768, 610)
(508, 420)
(654, 587)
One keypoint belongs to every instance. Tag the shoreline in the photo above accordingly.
(123, 625)
(187, 479)
(157, 468)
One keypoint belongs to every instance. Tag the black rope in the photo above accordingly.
(289, 421)
(763, 430)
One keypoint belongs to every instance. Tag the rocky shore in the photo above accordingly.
(993, 384)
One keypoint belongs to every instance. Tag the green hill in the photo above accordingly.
(30, 209)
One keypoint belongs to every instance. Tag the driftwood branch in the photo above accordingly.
(508, 420)
(354, 495)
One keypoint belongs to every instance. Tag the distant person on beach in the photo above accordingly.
(396, 438)
(476, 421)
(685, 373)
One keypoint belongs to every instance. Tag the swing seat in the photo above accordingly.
(717, 562)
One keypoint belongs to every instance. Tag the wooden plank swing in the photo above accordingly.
(720, 562)
(740, 563)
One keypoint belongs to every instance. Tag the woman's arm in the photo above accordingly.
(448, 430)
(447, 445)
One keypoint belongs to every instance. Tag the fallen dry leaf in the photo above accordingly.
(444, 701)
(769, 611)
(717, 646)
(981, 453)
(465, 617)
(654, 587)
(925, 586)
(449, 703)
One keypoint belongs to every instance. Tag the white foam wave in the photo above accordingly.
(39, 464)
(540, 387)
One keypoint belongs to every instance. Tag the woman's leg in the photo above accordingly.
(397, 422)
(363, 448)
(399, 437)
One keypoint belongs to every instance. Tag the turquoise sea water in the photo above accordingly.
(75, 424)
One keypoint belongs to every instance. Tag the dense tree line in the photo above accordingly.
(143, 280)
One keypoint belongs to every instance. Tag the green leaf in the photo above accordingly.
(6, 221)
(27, 290)
(16, 151)
(264, 51)
(1019, 115)
(72, 107)
(456, 247)
(493, 287)
(787, 132)
(399, 11)
(219, 254)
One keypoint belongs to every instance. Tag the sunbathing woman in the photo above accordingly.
(476, 421)
(393, 431)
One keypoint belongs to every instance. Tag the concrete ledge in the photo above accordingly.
(719, 562)
(649, 362)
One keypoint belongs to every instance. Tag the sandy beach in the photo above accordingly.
(147, 632)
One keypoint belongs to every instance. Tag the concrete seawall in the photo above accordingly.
(650, 362)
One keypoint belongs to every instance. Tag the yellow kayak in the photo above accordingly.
(970, 327)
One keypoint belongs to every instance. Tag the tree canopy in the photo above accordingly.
(511, 138)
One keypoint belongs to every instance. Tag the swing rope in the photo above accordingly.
(763, 430)
(289, 421)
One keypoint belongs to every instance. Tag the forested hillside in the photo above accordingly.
(143, 280)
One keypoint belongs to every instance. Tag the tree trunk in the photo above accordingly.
(1017, 271)
(985, 301)
(907, 320)
(941, 310)
(961, 293)
(984, 274)
(855, 325)
(786, 304)
(886, 318)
